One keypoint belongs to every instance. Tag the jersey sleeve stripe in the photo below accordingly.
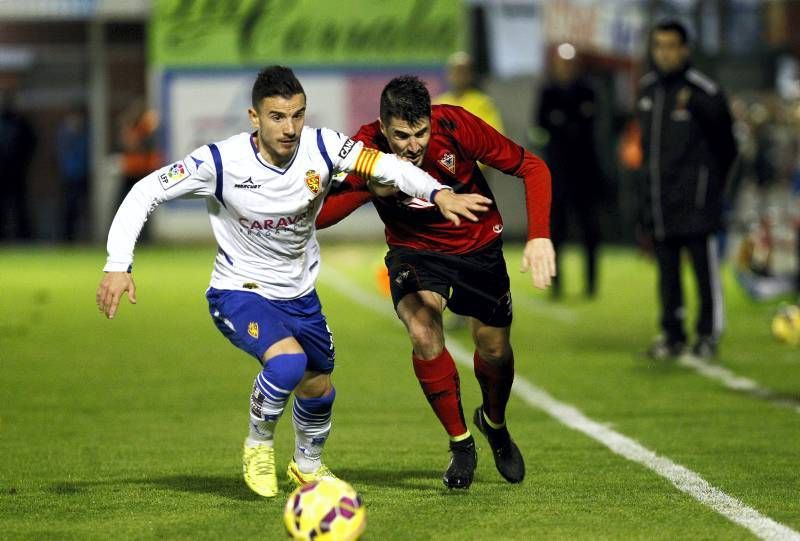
(218, 166)
(324, 151)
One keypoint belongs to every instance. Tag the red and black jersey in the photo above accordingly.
(458, 141)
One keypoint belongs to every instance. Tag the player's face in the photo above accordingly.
(408, 141)
(279, 122)
(669, 53)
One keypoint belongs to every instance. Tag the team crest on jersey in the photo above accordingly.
(252, 329)
(176, 173)
(312, 181)
(448, 161)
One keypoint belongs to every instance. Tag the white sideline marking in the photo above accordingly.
(681, 477)
(722, 375)
(735, 382)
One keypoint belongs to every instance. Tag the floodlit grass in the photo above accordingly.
(132, 428)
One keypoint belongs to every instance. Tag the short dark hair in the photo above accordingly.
(673, 25)
(275, 81)
(406, 98)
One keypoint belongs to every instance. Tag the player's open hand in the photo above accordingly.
(110, 291)
(453, 205)
(540, 258)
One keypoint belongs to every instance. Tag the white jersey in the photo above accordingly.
(262, 216)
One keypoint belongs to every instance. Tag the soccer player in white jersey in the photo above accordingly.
(264, 190)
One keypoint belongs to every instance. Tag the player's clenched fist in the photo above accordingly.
(110, 291)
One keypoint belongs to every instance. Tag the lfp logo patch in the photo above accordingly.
(312, 181)
(252, 329)
(176, 173)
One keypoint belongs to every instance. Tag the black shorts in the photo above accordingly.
(474, 284)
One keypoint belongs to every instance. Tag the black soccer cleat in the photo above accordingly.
(507, 456)
(462, 465)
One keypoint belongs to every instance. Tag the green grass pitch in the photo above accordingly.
(132, 428)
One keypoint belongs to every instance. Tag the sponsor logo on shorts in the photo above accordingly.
(174, 174)
(448, 161)
(252, 329)
(497, 228)
(312, 181)
(346, 148)
(402, 276)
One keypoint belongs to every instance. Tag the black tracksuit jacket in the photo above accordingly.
(689, 149)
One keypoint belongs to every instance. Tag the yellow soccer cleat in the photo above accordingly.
(258, 466)
(298, 478)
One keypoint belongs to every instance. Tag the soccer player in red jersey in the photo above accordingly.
(435, 264)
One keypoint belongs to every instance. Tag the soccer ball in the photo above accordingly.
(325, 510)
(786, 324)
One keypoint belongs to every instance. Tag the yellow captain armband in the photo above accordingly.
(365, 163)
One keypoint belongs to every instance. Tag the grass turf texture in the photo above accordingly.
(132, 428)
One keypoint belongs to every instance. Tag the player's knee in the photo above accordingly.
(285, 371)
(314, 385)
(495, 352)
(427, 340)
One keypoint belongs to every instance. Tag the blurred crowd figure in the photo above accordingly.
(464, 92)
(767, 213)
(72, 152)
(689, 151)
(17, 144)
(566, 112)
(138, 131)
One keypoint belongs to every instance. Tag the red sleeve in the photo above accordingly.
(486, 145)
(338, 206)
(536, 177)
(342, 201)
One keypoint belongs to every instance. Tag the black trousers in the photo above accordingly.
(704, 258)
(584, 210)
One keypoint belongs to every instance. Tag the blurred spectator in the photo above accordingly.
(689, 149)
(629, 171)
(567, 108)
(140, 155)
(73, 165)
(464, 93)
(17, 143)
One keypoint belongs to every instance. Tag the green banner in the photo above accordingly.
(304, 32)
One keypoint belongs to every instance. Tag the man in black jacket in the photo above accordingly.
(689, 150)
(567, 111)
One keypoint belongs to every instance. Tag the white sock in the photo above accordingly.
(267, 403)
(261, 432)
(311, 431)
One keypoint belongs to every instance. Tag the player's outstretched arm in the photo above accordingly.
(540, 258)
(453, 205)
(110, 291)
